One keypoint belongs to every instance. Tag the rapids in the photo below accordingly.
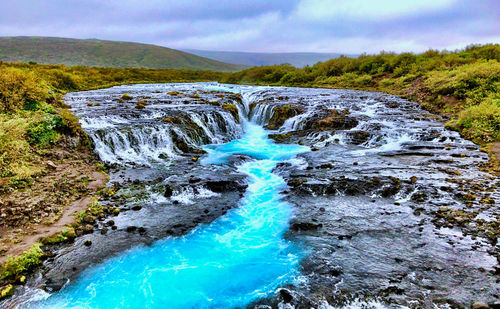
(362, 200)
(229, 263)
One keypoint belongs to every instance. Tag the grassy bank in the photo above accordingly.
(463, 86)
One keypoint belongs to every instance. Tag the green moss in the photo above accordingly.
(172, 120)
(233, 110)
(126, 96)
(280, 114)
(61, 237)
(25, 262)
(141, 104)
(280, 137)
(43, 132)
(6, 291)
(93, 209)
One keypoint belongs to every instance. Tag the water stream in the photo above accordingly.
(389, 209)
(238, 258)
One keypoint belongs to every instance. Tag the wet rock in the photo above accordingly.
(359, 137)
(233, 110)
(85, 229)
(305, 226)
(169, 191)
(88, 219)
(286, 295)
(220, 186)
(419, 197)
(131, 228)
(54, 285)
(136, 208)
(280, 114)
(194, 179)
(88, 243)
(110, 223)
(390, 190)
(335, 121)
(280, 137)
(392, 290)
(495, 305)
(296, 182)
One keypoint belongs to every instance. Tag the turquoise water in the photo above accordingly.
(238, 258)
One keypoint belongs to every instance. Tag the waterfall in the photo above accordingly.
(160, 132)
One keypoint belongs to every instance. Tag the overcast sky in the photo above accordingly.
(348, 26)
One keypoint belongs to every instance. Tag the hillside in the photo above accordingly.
(258, 59)
(49, 50)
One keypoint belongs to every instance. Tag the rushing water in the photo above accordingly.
(236, 259)
(363, 224)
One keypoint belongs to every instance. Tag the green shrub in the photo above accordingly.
(481, 122)
(473, 82)
(64, 81)
(14, 266)
(18, 88)
(15, 153)
(43, 132)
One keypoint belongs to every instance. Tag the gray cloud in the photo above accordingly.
(352, 26)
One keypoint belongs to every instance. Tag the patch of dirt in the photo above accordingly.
(50, 203)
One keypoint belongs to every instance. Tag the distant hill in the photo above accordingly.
(92, 52)
(258, 59)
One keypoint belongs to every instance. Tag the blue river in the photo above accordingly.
(229, 263)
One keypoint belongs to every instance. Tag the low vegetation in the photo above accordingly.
(16, 266)
(463, 85)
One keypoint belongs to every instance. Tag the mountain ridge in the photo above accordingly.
(103, 53)
(297, 59)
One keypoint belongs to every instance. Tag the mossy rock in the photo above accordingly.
(233, 110)
(126, 96)
(296, 182)
(180, 143)
(336, 121)
(281, 113)
(280, 137)
(172, 120)
(141, 104)
(251, 106)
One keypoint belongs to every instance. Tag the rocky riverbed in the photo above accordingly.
(390, 207)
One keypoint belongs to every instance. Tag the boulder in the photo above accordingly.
(220, 186)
